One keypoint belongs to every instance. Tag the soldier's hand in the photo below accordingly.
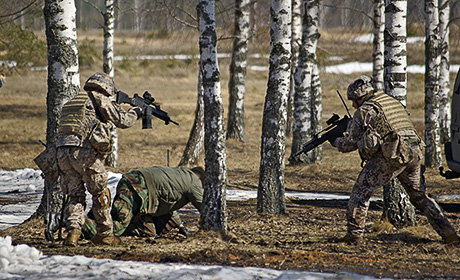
(184, 231)
(138, 111)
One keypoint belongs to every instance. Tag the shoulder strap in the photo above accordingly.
(96, 107)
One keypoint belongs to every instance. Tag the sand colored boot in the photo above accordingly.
(100, 240)
(72, 238)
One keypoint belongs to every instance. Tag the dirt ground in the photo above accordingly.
(301, 239)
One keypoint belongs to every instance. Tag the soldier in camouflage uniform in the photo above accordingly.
(81, 163)
(391, 148)
(147, 199)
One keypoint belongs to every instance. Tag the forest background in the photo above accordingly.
(173, 82)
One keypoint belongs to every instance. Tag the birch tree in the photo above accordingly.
(63, 84)
(378, 44)
(194, 146)
(307, 109)
(397, 208)
(107, 66)
(214, 208)
(432, 61)
(270, 194)
(238, 65)
(296, 40)
(444, 81)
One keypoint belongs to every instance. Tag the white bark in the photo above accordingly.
(432, 61)
(63, 82)
(397, 207)
(395, 49)
(107, 66)
(444, 81)
(378, 44)
(270, 196)
(237, 80)
(296, 41)
(214, 199)
(307, 110)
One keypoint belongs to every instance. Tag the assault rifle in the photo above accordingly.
(148, 107)
(336, 127)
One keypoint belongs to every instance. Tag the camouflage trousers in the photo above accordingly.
(77, 167)
(377, 172)
(126, 211)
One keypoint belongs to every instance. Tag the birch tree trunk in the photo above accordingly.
(194, 146)
(444, 78)
(107, 66)
(214, 208)
(270, 195)
(63, 84)
(296, 41)
(237, 79)
(397, 208)
(432, 62)
(378, 44)
(307, 114)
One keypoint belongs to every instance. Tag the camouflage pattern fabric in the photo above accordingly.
(80, 164)
(131, 198)
(77, 167)
(379, 170)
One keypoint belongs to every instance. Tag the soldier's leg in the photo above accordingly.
(73, 187)
(95, 177)
(410, 180)
(126, 205)
(375, 174)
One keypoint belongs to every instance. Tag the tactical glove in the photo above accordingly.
(138, 111)
(183, 230)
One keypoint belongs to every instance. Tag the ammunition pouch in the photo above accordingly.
(395, 147)
(47, 162)
(100, 137)
(369, 144)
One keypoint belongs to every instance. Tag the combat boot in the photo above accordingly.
(110, 240)
(72, 238)
(350, 239)
(452, 240)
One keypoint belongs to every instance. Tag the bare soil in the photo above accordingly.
(302, 239)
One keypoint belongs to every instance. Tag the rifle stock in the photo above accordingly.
(148, 107)
(336, 127)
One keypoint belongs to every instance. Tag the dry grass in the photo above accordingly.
(173, 84)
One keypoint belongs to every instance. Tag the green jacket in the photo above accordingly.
(170, 189)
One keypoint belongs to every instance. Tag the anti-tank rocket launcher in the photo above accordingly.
(148, 106)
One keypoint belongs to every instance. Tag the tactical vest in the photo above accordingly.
(395, 117)
(392, 131)
(75, 116)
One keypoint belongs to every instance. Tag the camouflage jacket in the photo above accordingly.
(370, 128)
(110, 112)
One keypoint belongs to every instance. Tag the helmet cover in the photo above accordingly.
(100, 82)
(361, 87)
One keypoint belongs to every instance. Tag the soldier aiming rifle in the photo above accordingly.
(148, 106)
(336, 127)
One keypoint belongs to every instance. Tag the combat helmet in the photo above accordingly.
(361, 87)
(100, 82)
